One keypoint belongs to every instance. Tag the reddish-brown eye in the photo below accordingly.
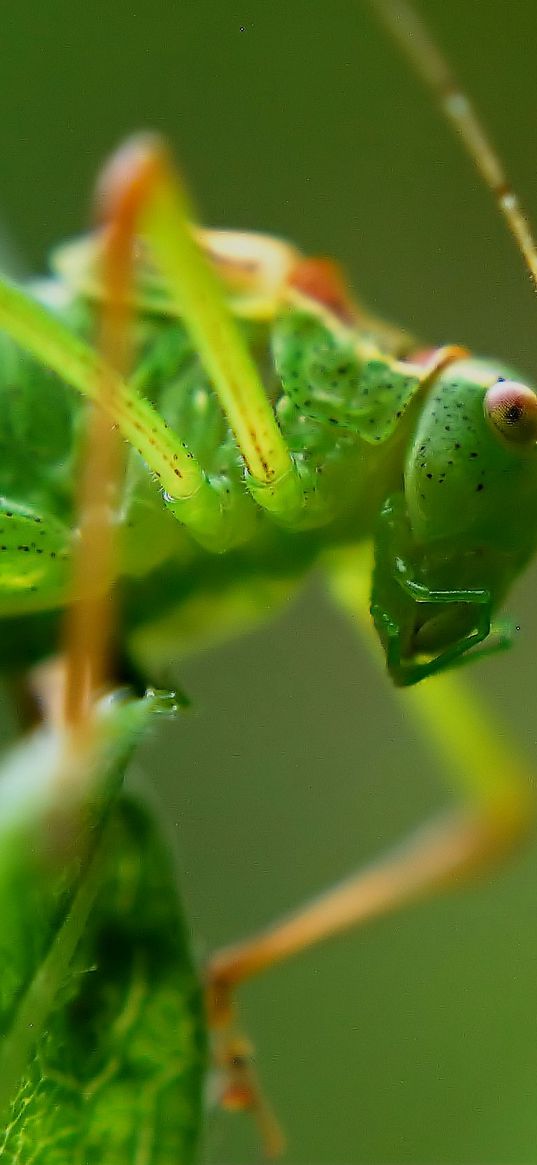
(512, 410)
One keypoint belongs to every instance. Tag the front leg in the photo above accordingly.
(426, 626)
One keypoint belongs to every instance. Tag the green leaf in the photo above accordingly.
(102, 1050)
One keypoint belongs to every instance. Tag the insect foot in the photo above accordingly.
(234, 1085)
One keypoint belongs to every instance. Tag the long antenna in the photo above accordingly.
(408, 30)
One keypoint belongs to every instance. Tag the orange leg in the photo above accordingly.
(439, 855)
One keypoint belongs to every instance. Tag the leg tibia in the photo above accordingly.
(492, 775)
(179, 474)
(436, 856)
(139, 186)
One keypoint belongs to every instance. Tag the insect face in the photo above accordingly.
(461, 531)
(471, 473)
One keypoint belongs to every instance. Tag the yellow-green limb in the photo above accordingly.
(178, 472)
(483, 765)
(497, 809)
(140, 175)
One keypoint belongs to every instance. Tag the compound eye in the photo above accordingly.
(512, 409)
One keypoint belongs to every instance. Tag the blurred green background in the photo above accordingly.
(415, 1041)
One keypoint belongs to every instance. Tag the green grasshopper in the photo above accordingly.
(272, 426)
